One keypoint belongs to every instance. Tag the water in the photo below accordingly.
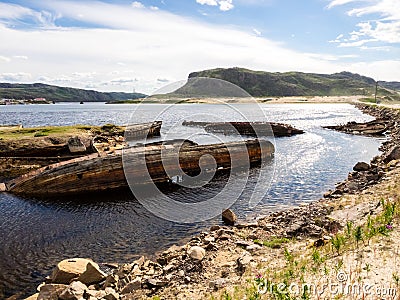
(35, 234)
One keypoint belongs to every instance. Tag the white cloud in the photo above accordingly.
(224, 5)
(13, 14)
(20, 57)
(151, 45)
(137, 4)
(15, 77)
(340, 2)
(257, 32)
(4, 58)
(386, 29)
(207, 2)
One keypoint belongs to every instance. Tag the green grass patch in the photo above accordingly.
(275, 243)
(46, 131)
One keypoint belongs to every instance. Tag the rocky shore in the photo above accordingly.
(233, 261)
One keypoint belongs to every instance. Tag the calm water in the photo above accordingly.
(34, 234)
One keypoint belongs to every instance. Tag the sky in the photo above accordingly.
(144, 45)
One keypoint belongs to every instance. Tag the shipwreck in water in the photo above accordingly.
(144, 164)
(254, 129)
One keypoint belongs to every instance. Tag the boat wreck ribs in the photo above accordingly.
(256, 129)
(90, 174)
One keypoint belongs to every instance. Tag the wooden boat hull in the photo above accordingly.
(256, 129)
(142, 165)
(372, 128)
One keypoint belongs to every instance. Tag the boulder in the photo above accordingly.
(82, 269)
(393, 154)
(92, 274)
(132, 286)
(361, 166)
(51, 291)
(197, 253)
(74, 291)
(229, 217)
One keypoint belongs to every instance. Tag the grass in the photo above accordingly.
(15, 134)
(274, 243)
(315, 264)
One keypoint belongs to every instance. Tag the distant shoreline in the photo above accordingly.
(232, 100)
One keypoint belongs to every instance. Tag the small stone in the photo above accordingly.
(218, 284)
(74, 291)
(2, 187)
(253, 247)
(209, 239)
(51, 291)
(243, 262)
(224, 237)
(111, 280)
(139, 261)
(243, 243)
(229, 217)
(156, 283)
(181, 273)
(215, 228)
(361, 166)
(111, 294)
(197, 253)
(132, 286)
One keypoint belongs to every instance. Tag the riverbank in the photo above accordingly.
(239, 100)
(311, 244)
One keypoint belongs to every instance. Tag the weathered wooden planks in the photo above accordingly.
(95, 174)
(372, 128)
(256, 129)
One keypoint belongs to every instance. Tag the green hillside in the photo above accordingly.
(262, 84)
(60, 94)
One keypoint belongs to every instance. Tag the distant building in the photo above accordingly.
(39, 99)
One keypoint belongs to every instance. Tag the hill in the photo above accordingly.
(60, 94)
(262, 84)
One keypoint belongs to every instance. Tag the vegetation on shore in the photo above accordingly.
(60, 94)
(33, 132)
(264, 84)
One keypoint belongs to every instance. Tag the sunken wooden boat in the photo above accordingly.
(141, 164)
(256, 129)
(143, 130)
(372, 128)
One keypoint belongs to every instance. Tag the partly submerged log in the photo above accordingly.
(141, 165)
(372, 128)
(256, 129)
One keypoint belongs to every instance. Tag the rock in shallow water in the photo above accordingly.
(229, 217)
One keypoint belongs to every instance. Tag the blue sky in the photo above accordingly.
(143, 45)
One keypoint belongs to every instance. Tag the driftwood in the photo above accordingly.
(247, 128)
(372, 128)
(95, 174)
